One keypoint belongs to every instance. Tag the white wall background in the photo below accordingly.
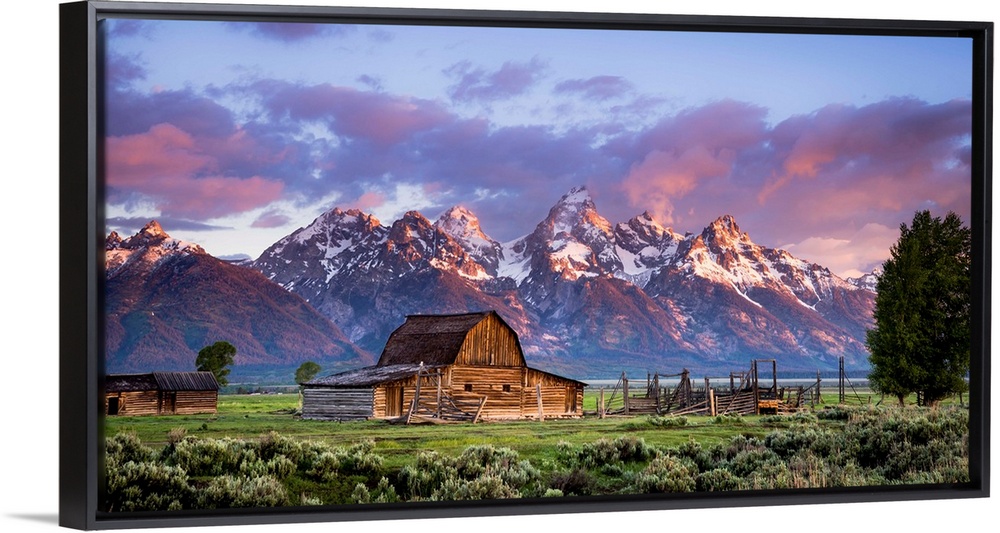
(28, 274)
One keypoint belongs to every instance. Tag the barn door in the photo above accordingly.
(394, 401)
(113, 406)
(169, 403)
(570, 399)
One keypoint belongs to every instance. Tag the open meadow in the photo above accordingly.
(256, 452)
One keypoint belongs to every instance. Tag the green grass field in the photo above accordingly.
(250, 416)
(256, 452)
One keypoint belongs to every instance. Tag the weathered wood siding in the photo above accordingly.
(135, 403)
(560, 397)
(490, 343)
(196, 402)
(140, 403)
(380, 397)
(489, 382)
(319, 403)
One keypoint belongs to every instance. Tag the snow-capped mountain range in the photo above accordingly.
(584, 294)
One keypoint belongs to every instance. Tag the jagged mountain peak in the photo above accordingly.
(352, 215)
(149, 247)
(114, 240)
(867, 281)
(647, 225)
(461, 223)
(410, 221)
(414, 243)
(577, 200)
(575, 212)
(726, 227)
(153, 229)
(458, 212)
(463, 226)
(150, 236)
(576, 195)
(643, 244)
(334, 225)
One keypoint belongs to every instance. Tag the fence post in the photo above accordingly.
(625, 391)
(600, 404)
(538, 390)
(656, 385)
(818, 397)
(439, 395)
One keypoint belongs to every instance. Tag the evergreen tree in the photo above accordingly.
(216, 359)
(921, 339)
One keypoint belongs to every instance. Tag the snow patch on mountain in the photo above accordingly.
(149, 246)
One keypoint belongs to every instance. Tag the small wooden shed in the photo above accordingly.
(161, 393)
(451, 364)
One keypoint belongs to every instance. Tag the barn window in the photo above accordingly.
(468, 387)
(506, 388)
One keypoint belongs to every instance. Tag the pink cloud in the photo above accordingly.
(167, 166)
(368, 201)
(686, 152)
(218, 196)
(164, 151)
(865, 249)
(903, 138)
(832, 172)
(662, 176)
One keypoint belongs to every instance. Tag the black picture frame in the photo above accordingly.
(82, 236)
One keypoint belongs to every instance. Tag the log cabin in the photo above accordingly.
(461, 367)
(160, 393)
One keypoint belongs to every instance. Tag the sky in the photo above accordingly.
(233, 135)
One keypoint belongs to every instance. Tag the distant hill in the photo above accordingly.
(165, 299)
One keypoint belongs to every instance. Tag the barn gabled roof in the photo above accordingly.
(428, 340)
(431, 339)
(164, 381)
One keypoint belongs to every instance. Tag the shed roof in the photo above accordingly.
(430, 339)
(129, 382)
(366, 377)
(186, 381)
(165, 381)
(371, 376)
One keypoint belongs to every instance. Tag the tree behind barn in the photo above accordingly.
(216, 358)
(921, 339)
(306, 372)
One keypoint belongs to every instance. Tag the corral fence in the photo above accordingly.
(753, 391)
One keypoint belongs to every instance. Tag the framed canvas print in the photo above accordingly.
(329, 264)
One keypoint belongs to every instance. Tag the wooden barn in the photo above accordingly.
(160, 393)
(457, 367)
